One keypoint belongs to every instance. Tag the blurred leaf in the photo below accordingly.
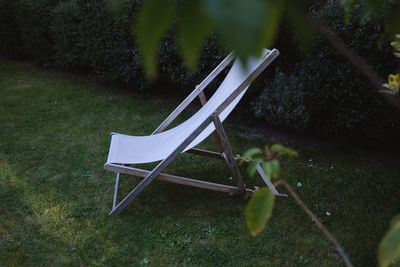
(114, 5)
(271, 168)
(370, 9)
(252, 167)
(389, 248)
(301, 24)
(267, 169)
(193, 28)
(347, 5)
(251, 153)
(259, 210)
(392, 21)
(241, 24)
(274, 11)
(154, 19)
(281, 150)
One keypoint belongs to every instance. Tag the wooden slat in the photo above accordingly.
(229, 157)
(207, 153)
(176, 179)
(199, 89)
(250, 78)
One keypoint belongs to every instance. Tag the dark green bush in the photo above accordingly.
(34, 19)
(323, 94)
(172, 66)
(89, 36)
(318, 92)
(10, 43)
(69, 51)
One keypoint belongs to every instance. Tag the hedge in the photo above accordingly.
(317, 92)
(323, 94)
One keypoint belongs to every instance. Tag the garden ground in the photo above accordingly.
(55, 195)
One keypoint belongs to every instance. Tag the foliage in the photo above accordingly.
(9, 34)
(261, 204)
(152, 25)
(174, 70)
(326, 95)
(393, 83)
(396, 45)
(259, 210)
(394, 79)
(389, 248)
(33, 19)
(88, 36)
(246, 34)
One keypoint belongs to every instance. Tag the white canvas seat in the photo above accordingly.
(166, 145)
(127, 149)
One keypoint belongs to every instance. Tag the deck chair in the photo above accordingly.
(166, 145)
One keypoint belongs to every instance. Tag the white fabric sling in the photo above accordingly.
(127, 149)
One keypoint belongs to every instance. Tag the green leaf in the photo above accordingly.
(241, 24)
(259, 210)
(252, 167)
(370, 9)
(347, 5)
(114, 5)
(271, 168)
(251, 153)
(193, 28)
(274, 11)
(392, 21)
(281, 150)
(389, 248)
(301, 24)
(154, 19)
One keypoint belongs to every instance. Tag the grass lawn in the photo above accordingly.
(55, 195)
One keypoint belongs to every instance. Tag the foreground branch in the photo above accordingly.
(355, 61)
(315, 219)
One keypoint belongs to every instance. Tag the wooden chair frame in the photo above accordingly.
(220, 138)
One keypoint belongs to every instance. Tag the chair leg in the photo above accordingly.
(268, 182)
(116, 189)
(229, 157)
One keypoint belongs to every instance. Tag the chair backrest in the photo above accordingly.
(235, 77)
(127, 149)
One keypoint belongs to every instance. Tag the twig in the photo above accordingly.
(356, 62)
(314, 218)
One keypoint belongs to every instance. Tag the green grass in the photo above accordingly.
(55, 195)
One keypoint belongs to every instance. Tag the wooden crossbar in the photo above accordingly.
(176, 179)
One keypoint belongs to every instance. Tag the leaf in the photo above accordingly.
(154, 19)
(274, 10)
(252, 167)
(193, 28)
(370, 10)
(259, 210)
(281, 150)
(241, 24)
(251, 153)
(267, 169)
(302, 25)
(347, 5)
(114, 5)
(392, 21)
(271, 168)
(389, 248)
